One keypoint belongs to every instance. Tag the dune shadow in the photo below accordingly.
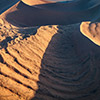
(4, 44)
(70, 68)
(8, 39)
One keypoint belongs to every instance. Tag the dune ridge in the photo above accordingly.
(57, 63)
(91, 30)
(20, 60)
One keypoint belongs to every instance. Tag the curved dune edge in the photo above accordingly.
(91, 30)
(55, 64)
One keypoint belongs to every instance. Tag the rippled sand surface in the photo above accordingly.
(58, 63)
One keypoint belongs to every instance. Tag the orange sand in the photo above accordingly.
(37, 66)
(57, 63)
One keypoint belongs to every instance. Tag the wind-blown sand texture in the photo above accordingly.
(58, 63)
(20, 63)
(92, 31)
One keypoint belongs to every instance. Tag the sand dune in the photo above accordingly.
(20, 61)
(5, 4)
(92, 31)
(58, 63)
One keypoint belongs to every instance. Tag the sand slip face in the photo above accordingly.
(5, 4)
(57, 63)
(91, 30)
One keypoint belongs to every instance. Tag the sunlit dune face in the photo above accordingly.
(20, 62)
(46, 66)
(91, 30)
(36, 2)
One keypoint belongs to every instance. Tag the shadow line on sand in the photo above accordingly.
(69, 68)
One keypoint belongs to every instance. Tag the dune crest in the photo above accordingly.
(57, 63)
(20, 60)
(91, 30)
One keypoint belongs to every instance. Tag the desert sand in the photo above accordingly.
(92, 31)
(57, 63)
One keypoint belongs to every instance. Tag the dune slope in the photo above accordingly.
(57, 63)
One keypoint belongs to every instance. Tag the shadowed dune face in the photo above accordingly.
(5, 4)
(69, 68)
(57, 63)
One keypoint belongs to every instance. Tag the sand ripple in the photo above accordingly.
(57, 63)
